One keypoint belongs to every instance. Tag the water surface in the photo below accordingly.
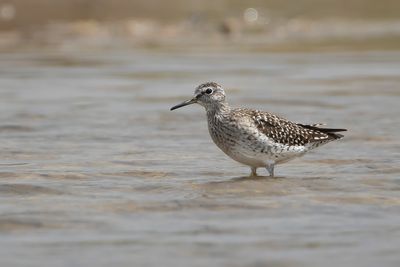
(95, 169)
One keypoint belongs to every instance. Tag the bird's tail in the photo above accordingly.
(331, 132)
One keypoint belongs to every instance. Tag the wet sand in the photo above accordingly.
(95, 169)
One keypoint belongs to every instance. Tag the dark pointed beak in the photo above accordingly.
(187, 102)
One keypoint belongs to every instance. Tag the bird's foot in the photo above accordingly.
(270, 169)
(253, 172)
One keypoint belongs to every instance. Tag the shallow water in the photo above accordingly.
(95, 169)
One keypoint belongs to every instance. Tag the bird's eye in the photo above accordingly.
(209, 91)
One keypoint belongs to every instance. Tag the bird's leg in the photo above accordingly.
(270, 169)
(253, 171)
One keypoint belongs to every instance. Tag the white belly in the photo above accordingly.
(254, 149)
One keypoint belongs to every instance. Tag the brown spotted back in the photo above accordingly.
(286, 132)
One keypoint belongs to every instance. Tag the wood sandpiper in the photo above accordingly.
(256, 138)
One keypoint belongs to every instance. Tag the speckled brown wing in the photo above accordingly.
(288, 133)
(331, 132)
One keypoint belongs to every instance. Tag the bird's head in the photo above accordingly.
(208, 95)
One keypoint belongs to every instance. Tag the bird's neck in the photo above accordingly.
(218, 110)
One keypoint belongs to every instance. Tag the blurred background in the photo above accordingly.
(96, 171)
(258, 24)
